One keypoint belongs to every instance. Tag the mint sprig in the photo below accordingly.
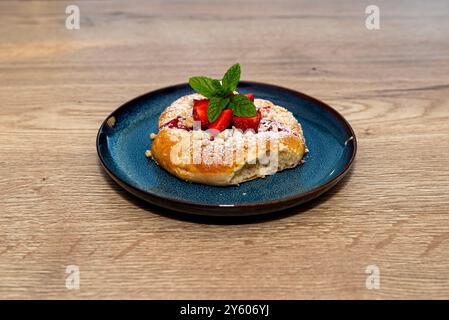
(221, 94)
(216, 105)
(242, 106)
(206, 86)
(231, 78)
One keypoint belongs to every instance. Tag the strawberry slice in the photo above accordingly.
(223, 121)
(247, 123)
(200, 112)
(250, 96)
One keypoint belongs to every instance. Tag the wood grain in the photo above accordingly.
(58, 208)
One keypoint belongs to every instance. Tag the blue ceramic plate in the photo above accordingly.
(124, 137)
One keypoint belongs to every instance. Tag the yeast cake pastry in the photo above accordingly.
(220, 137)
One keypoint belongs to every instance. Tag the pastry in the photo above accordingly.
(220, 137)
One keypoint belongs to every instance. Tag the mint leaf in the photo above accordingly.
(231, 78)
(231, 106)
(218, 94)
(216, 105)
(206, 86)
(224, 102)
(242, 106)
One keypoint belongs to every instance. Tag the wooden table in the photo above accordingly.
(58, 208)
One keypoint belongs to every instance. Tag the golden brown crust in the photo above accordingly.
(161, 150)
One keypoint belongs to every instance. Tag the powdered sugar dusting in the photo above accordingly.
(276, 123)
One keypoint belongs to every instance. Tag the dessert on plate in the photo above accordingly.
(218, 136)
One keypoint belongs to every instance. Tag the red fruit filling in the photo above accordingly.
(175, 123)
(223, 121)
(247, 123)
(200, 112)
(250, 96)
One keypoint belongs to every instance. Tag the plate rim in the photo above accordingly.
(231, 210)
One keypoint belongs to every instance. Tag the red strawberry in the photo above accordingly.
(247, 123)
(250, 96)
(223, 121)
(200, 112)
